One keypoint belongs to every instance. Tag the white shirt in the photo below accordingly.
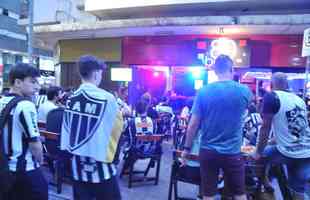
(185, 112)
(290, 125)
(44, 109)
(164, 109)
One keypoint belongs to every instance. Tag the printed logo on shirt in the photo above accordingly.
(82, 117)
(89, 166)
(297, 123)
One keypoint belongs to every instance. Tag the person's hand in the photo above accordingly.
(183, 159)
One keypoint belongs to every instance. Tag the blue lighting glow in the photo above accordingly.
(196, 72)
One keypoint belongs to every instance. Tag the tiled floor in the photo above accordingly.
(142, 191)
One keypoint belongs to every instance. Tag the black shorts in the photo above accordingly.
(190, 173)
(233, 167)
(30, 185)
(107, 190)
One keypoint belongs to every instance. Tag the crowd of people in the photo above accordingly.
(94, 125)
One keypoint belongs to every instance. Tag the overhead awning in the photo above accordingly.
(124, 9)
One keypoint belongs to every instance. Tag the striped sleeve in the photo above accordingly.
(28, 119)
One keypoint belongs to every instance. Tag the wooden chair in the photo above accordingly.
(177, 175)
(58, 164)
(42, 125)
(154, 159)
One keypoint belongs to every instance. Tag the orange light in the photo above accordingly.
(242, 43)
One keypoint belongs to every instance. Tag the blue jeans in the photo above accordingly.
(298, 169)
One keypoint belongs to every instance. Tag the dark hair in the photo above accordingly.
(22, 71)
(122, 89)
(65, 98)
(53, 92)
(141, 107)
(5, 90)
(223, 64)
(146, 98)
(43, 91)
(87, 64)
(252, 108)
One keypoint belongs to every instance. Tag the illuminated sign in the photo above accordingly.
(223, 46)
(237, 50)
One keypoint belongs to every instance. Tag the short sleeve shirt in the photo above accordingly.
(221, 107)
(20, 129)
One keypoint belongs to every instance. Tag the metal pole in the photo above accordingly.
(30, 31)
(307, 78)
(256, 90)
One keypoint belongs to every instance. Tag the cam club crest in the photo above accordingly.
(82, 118)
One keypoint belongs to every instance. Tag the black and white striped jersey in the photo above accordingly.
(87, 169)
(20, 129)
(141, 125)
(39, 100)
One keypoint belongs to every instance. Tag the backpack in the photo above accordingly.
(6, 178)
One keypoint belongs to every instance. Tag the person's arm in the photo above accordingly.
(271, 105)
(28, 121)
(264, 133)
(191, 131)
(36, 150)
(193, 126)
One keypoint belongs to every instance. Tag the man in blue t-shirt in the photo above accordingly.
(219, 108)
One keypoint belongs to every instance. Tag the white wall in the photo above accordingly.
(44, 11)
(92, 5)
(52, 11)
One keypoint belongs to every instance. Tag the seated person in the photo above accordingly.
(184, 116)
(166, 116)
(54, 120)
(140, 125)
(122, 97)
(253, 122)
(151, 112)
(53, 95)
(252, 125)
(286, 115)
(53, 124)
(40, 98)
(185, 113)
